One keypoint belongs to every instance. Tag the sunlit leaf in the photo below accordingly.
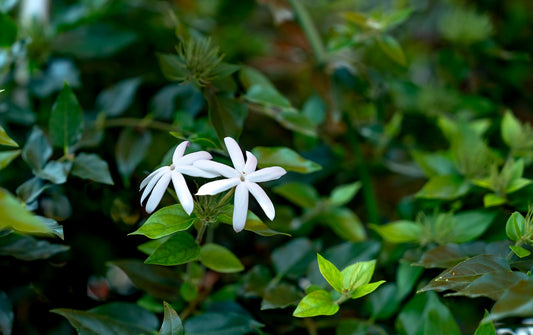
(91, 166)
(519, 251)
(5, 139)
(66, 119)
(399, 231)
(179, 249)
(171, 322)
(166, 221)
(7, 157)
(357, 275)
(446, 187)
(219, 259)
(318, 302)
(330, 273)
(287, 158)
(365, 289)
(342, 194)
(116, 99)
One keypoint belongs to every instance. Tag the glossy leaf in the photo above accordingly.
(55, 171)
(131, 149)
(171, 322)
(166, 221)
(399, 231)
(31, 189)
(316, 303)
(6, 314)
(28, 248)
(5, 139)
(66, 119)
(330, 273)
(116, 99)
(284, 157)
(486, 328)
(219, 259)
(519, 251)
(446, 187)
(221, 323)
(37, 150)
(516, 301)
(292, 255)
(491, 285)
(470, 225)
(357, 275)
(226, 114)
(365, 289)
(515, 227)
(179, 249)
(301, 194)
(92, 167)
(253, 223)
(343, 194)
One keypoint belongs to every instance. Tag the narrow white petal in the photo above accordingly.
(192, 157)
(251, 163)
(235, 153)
(266, 174)
(157, 193)
(263, 199)
(217, 186)
(240, 207)
(180, 150)
(193, 171)
(150, 176)
(217, 168)
(153, 181)
(182, 191)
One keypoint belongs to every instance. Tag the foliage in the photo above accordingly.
(403, 128)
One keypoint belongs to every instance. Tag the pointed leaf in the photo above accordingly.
(491, 199)
(399, 231)
(66, 119)
(28, 248)
(116, 99)
(166, 221)
(5, 139)
(280, 295)
(131, 148)
(179, 249)
(253, 223)
(221, 323)
(357, 275)
(517, 301)
(515, 227)
(37, 150)
(330, 273)
(345, 223)
(301, 194)
(469, 225)
(284, 157)
(343, 194)
(226, 114)
(447, 187)
(365, 289)
(219, 259)
(171, 322)
(491, 285)
(292, 255)
(91, 166)
(392, 49)
(486, 328)
(7, 157)
(519, 251)
(316, 303)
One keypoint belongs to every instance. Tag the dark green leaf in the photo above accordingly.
(176, 97)
(171, 322)
(253, 223)
(256, 280)
(131, 149)
(392, 49)
(8, 29)
(330, 273)
(491, 285)
(316, 303)
(166, 221)
(116, 99)
(28, 248)
(292, 255)
(516, 301)
(221, 323)
(280, 295)
(287, 158)
(172, 67)
(159, 281)
(6, 314)
(179, 249)
(250, 77)
(189, 291)
(406, 278)
(301, 194)
(226, 114)
(66, 119)
(91, 166)
(37, 150)
(469, 225)
(31, 189)
(291, 119)
(219, 259)
(384, 302)
(266, 95)
(447, 187)
(345, 223)
(399, 231)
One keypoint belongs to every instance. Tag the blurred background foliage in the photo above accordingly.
(408, 124)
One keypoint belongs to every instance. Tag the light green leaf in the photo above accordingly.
(511, 130)
(166, 221)
(266, 95)
(491, 200)
(316, 303)
(5, 139)
(301, 194)
(357, 275)
(171, 322)
(345, 223)
(465, 25)
(519, 251)
(7, 157)
(250, 77)
(392, 48)
(447, 187)
(365, 289)
(66, 119)
(219, 259)
(515, 227)
(399, 231)
(330, 273)
(91, 166)
(342, 194)
(485, 328)
(287, 158)
(179, 249)
(517, 184)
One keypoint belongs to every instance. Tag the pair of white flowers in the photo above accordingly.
(243, 176)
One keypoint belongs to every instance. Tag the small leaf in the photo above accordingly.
(6, 314)
(517, 184)
(179, 249)
(55, 171)
(301, 194)
(330, 273)
(66, 119)
(399, 231)
(469, 225)
(316, 303)
(266, 95)
(116, 99)
(5, 139)
(341, 195)
(357, 275)
(7, 157)
(189, 291)
(365, 289)
(486, 328)
(37, 150)
(171, 322)
(219, 259)
(30, 190)
(491, 200)
(166, 221)
(28, 248)
(91, 166)
(511, 130)
(284, 157)
(519, 251)
(392, 48)
(515, 226)
(447, 187)
(225, 322)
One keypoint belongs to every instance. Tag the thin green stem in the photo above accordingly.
(310, 31)
(226, 198)
(201, 231)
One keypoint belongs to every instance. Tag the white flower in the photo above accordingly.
(245, 177)
(157, 181)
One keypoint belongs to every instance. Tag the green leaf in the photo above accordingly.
(171, 322)
(266, 95)
(92, 167)
(160, 282)
(357, 275)
(15, 216)
(132, 146)
(226, 115)
(517, 184)
(485, 328)
(5, 139)
(293, 255)
(392, 49)
(179, 249)
(253, 223)
(469, 225)
(345, 223)
(66, 119)
(384, 302)
(287, 158)
(172, 66)
(491, 285)
(55, 171)
(30, 190)
(114, 318)
(280, 295)
(291, 119)
(301, 194)
(491, 200)
(7, 157)
(6, 314)
(219, 259)
(316, 303)
(330, 273)
(343, 194)
(365, 289)
(250, 77)
(519, 251)
(116, 99)
(515, 227)
(6, 6)
(221, 323)
(28, 248)
(399, 231)
(434, 163)
(166, 221)
(406, 278)
(37, 150)
(516, 301)
(511, 130)
(465, 25)
(447, 187)
(8, 28)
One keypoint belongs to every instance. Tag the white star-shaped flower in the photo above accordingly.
(244, 178)
(157, 182)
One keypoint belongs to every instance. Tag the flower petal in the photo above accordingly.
(182, 191)
(235, 153)
(149, 177)
(193, 171)
(251, 163)
(157, 193)
(192, 157)
(217, 168)
(240, 207)
(155, 176)
(180, 150)
(266, 174)
(263, 199)
(217, 186)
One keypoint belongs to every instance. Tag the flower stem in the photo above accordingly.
(310, 31)
(201, 231)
